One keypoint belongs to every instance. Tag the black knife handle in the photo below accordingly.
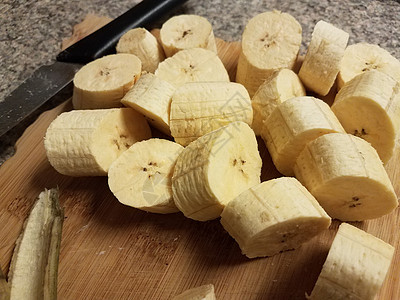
(103, 41)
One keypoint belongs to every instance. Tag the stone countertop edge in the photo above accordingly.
(31, 31)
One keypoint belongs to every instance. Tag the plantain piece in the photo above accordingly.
(198, 108)
(363, 57)
(4, 287)
(185, 32)
(355, 268)
(274, 216)
(270, 41)
(214, 169)
(34, 264)
(144, 45)
(292, 125)
(322, 61)
(368, 106)
(282, 85)
(346, 176)
(204, 292)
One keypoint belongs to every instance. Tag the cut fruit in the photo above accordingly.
(355, 268)
(141, 176)
(368, 106)
(198, 108)
(186, 32)
(102, 83)
(151, 96)
(214, 169)
(292, 125)
(346, 176)
(322, 61)
(270, 41)
(86, 142)
(274, 216)
(280, 86)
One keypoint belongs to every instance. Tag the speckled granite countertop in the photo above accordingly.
(31, 31)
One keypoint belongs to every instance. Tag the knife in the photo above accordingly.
(49, 80)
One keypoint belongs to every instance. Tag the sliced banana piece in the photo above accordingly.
(141, 176)
(362, 57)
(151, 96)
(270, 41)
(324, 54)
(198, 108)
(86, 142)
(204, 292)
(185, 32)
(195, 64)
(346, 176)
(355, 268)
(368, 106)
(274, 216)
(292, 125)
(102, 83)
(214, 169)
(280, 86)
(144, 45)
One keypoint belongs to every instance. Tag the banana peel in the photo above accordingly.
(34, 264)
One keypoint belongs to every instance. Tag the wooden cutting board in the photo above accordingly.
(111, 251)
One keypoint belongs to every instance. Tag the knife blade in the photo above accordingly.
(49, 80)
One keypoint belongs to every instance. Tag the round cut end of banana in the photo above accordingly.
(198, 108)
(271, 40)
(86, 142)
(273, 216)
(357, 262)
(102, 83)
(283, 84)
(192, 65)
(346, 176)
(292, 125)
(151, 96)
(214, 169)
(185, 32)
(144, 45)
(141, 176)
(363, 57)
(324, 54)
(368, 106)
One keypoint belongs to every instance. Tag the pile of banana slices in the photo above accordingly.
(334, 156)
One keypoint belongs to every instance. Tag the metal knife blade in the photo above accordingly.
(49, 80)
(44, 83)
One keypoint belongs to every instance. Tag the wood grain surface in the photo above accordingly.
(111, 251)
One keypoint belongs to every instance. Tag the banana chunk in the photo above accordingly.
(292, 125)
(195, 64)
(362, 57)
(274, 216)
(144, 45)
(214, 169)
(355, 268)
(270, 41)
(151, 96)
(198, 108)
(141, 176)
(102, 83)
(204, 292)
(279, 87)
(86, 142)
(368, 106)
(324, 54)
(185, 32)
(346, 176)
